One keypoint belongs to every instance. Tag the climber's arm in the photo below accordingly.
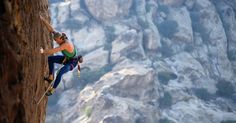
(54, 50)
(48, 26)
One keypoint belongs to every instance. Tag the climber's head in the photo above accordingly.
(60, 38)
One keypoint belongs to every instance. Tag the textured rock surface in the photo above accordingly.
(21, 65)
(96, 59)
(125, 42)
(108, 9)
(163, 61)
(125, 91)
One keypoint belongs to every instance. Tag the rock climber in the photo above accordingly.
(69, 59)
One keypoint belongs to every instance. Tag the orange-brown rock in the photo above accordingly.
(22, 67)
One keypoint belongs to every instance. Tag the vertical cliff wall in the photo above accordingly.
(21, 66)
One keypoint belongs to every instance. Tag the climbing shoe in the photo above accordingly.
(48, 79)
(50, 91)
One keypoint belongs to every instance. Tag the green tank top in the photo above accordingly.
(69, 55)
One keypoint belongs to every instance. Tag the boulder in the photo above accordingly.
(119, 95)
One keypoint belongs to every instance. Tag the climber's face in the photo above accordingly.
(59, 40)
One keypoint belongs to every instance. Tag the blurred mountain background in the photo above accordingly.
(147, 61)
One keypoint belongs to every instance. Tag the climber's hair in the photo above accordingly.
(64, 37)
(60, 35)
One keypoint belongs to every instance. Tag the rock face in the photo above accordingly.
(21, 66)
(108, 9)
(128, 96)
(96, 59)
(152, 61)
(126, 42)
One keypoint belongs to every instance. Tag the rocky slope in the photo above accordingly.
(148, 61)
(21, 65)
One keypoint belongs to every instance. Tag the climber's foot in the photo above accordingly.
(50, 91)
(49, 79)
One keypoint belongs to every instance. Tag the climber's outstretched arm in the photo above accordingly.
(48, 26)
(54, 50)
